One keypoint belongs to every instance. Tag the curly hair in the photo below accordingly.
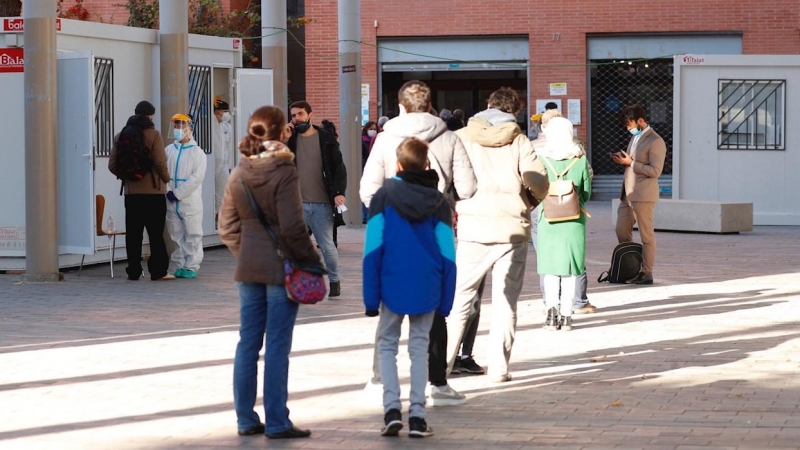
(266, 124)
(505, 99)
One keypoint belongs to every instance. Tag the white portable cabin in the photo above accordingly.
(735, 135)
(103, 72)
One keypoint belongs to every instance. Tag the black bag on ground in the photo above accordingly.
(626, 262)
(133, 159)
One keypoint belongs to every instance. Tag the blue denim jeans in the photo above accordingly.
(319, 217)
(263, 309)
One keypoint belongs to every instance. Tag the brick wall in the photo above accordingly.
(767, 27)
(108, 11)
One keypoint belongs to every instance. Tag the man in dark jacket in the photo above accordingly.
(323, 180)
(145, 203)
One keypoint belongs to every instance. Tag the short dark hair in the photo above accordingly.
(415, 96)
(550, 105)
(412, 154)
(505, 99)
(458, 114)
(632, 113)
(301, 104)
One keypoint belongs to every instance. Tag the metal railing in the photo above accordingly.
(103, 106)
(200, 105)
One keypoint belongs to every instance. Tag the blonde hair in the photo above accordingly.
(549, 114)
(415, 96)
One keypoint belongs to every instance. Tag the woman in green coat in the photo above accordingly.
(561, 246)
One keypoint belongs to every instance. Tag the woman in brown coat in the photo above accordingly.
(267, 167)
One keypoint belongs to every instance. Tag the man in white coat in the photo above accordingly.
(448, 158)
(186, 162)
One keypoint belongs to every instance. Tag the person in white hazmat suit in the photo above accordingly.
(222, 138)
(186, 162)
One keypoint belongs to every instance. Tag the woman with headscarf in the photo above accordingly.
(561, 246)
(267, 168)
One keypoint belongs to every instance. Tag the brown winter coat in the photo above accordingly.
(151, 183)
(275, 185)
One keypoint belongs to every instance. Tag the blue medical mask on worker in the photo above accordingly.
(181, 127)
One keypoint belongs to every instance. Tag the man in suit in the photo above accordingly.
(643, 162)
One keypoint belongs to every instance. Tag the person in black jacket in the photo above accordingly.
(323, 180)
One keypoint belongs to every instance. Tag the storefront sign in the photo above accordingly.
(12, 60)
(19, 25)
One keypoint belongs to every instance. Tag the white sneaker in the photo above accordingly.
(373, 393)
(446, 396)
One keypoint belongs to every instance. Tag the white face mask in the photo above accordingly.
(226, 116)
(372, 133)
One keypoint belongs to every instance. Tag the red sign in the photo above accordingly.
(236, 43)
(18, 25)
(12, 60)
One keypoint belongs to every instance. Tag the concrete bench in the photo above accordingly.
(700, 216)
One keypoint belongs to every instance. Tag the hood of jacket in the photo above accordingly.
(492, 128)
(188, 144)
(255, 171)
(413, 202)
(424, 126)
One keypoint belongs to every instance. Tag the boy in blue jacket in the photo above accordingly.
(409, 270)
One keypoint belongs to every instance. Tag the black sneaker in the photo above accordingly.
(393, 423)
(456, 370)
(418, 428)
(470, 367)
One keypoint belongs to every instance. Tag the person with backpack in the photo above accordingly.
(187, 163)
(138, 159)
(561, 239)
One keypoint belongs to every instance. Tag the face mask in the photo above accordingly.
(226, 117)
(178, 134)
(636, 131)
(302, 127)
(372, 133)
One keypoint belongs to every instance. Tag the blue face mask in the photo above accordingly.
(178, 134)
(635, 131)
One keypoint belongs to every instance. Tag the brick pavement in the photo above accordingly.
(707, 358)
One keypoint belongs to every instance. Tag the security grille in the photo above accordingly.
(615, 84)
(751, 114)
(103, 106)
(199, 105)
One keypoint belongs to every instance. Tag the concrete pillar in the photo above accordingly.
(273, 49)
(350, 102)
(174, 52)
(41, 142)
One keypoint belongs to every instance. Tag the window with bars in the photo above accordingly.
(751, 115)
(103, 106)
(200, 105)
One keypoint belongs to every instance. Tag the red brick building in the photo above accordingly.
(609, 53)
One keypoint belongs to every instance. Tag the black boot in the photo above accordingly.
(551, 323)
(335, 290)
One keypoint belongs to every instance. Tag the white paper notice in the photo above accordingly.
(558, 88)
(574, 111)
(341, 209)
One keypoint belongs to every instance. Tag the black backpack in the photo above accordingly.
(133, 158)
(626, 262)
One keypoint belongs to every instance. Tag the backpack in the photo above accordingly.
(561, 203)
(626, 262)
(133, 158)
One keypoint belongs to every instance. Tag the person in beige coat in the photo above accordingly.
(494, 225)
(643, 162)
(448, 158)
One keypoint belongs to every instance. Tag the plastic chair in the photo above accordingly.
(100, 205)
